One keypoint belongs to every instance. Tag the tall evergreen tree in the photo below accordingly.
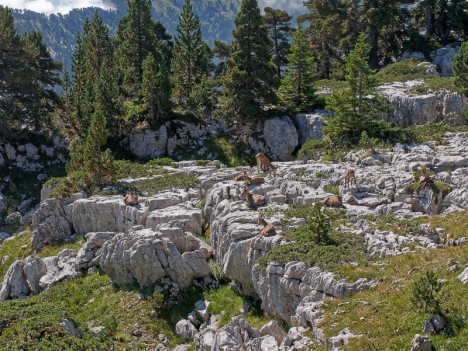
(44, 75)
(357, 108)
(156, 89)
(191, 55)
(250, 80)
(460, 68)
(135, 40)
(297, 90)
(278, 23)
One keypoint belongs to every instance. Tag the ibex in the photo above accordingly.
(254, 199)
(241, 177)
(350, 177)
(131, 199)
(268, 229)
(333, 201)
(425, 177)
(263, 162)
(255, 180)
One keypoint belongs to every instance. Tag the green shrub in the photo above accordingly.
(332, 189)
(426, 294)
(401, 68)
(216, 270)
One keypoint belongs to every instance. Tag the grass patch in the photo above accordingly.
(228, 153)
(392, 223)
(128, 169)
(333, 189)
(35, 323)
(341, 249)
(377, 313)
(57, 246)
(432, 132)
(13, 249)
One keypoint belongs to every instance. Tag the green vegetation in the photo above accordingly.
(329, 251)
(460, 69)
(17, 248)
(377, 315)
(426, 294)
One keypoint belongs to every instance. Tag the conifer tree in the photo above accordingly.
(156, 89)
(95, 140)
(250, 80)
(460, 69)
(191, 55)
(297, 92)
(357, 108)
(136, 39)
(278, 23)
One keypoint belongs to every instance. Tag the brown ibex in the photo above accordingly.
(241, 177)
(131, 198)
(254, 199)
(333, 201)
(350, 177)
(255, 180)
(268, 229)
(263, 162)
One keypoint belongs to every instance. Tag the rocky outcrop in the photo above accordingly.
(144, 257)
(146, 144)
(281, 138)
(34, 274)
(409, 108)
(443, 58)
(309, 126)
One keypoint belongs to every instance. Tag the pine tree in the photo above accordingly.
(95, 140)
(297, 91)
(278, 23)
(156, 90)
(357, 108)
(460, 69)
(191, 55)
(250, 80)
(135, 40)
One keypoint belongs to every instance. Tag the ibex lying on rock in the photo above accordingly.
(254, 199)
(333, 201)
(131, 199)
(349, 177)
(241, 177)
(263, 162)
(268, 229)
(255, 180)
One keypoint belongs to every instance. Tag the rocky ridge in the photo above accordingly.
(156, 241)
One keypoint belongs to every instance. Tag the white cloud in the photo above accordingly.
(288, 5)
(52, 6)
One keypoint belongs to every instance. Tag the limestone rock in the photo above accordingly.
(146, 144)
(234, 336)
(443, 58)
(434, 324)
(14, 283)
(34, 269)
(70, 327)
(421, 343)
(342, 339)
(281, 138)
(273, 329)
(463, 277)
(183, 216)
(185, 329)
(309, 126)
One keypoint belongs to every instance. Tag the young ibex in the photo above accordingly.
(241, 177)
(131, 198)
(350, 177)
(263, 162)
(268, 229)
(425, 177)
(255, 180)
(254, 199)
(333, 201)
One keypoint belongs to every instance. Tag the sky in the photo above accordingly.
(64, 6)
(51, 6)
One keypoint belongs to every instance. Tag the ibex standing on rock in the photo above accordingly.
(131, 199)
(425, 177)
(349, 177)
(254, 199)
(268, 229)
(263, 162)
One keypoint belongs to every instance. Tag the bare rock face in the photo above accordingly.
(281, 138)
(443, 58)
(411, 109)
(309, 126)
(146, 256)
(463, 277)
(34, 274)
(146, 144)
(236, 336)
(105, 214)
(183, 216)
